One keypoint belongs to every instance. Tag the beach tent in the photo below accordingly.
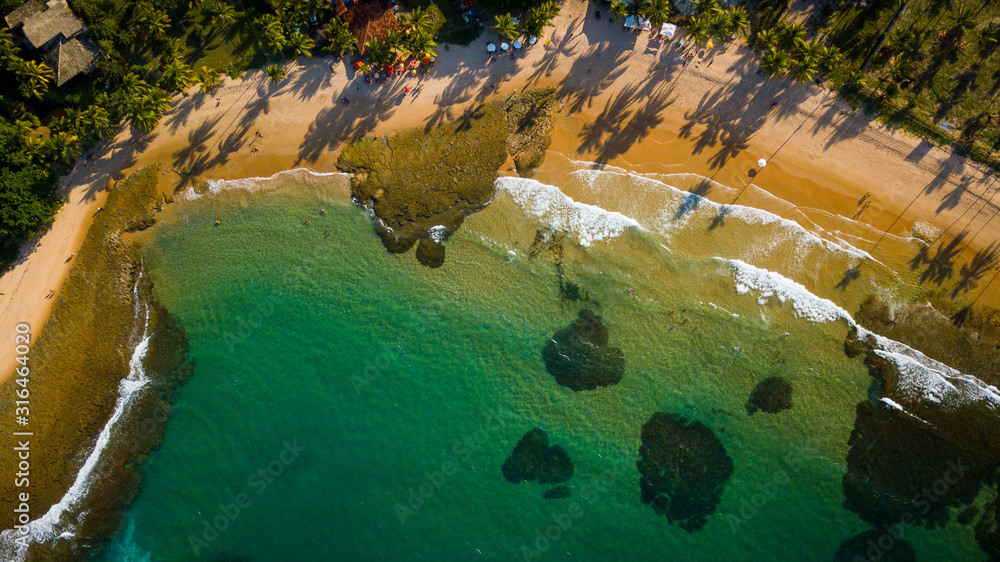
(668, 30)
(636, 22)
(491, 47)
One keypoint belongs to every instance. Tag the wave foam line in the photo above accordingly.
(769, 284)
(750, 215)
(255, 183)
(51, 525)
(921, 379)
(590, 223)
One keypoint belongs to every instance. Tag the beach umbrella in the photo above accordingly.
(762, 162)
(709, 44)
(358, 64)
(406, 89)
(426, 60)
(532, 40)
(491, 47)
(517, 44)
(504, 46)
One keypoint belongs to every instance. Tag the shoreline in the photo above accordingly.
(627, 101)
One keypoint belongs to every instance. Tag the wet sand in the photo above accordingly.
(627, 101)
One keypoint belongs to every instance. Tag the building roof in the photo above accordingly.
(46, 25)
(72, 57)
(28, 9)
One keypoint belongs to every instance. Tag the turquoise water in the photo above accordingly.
(335, 382)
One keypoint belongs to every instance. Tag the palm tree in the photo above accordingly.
(33, 78)
(793, 35)
(550, 10)
(707, 7)
(699, 29)
(963, 19)
(813, 51)
(718, 26)
(637, 8)
(274, 32)
(63, 147)
(738, 20)
(224, 16)
(275, 73)
(832, 59)
(775, 62)
(7, 48)
(803, 68)
(380, 52)
(417, 21)
(618, 11)
(505, 27)
(209, 78)
(171, 49)
(35, 147)
(95, 122)
(132, 85)
(539, 17)
(300, 45)
(176, 76)
(659, 11)
(422, 45)
(767, 39)
(155, 23)
(341, 41)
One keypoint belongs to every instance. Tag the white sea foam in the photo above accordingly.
(767, 284)
(436, 233)
(546, 202)
(921, 379)
(61, 518)
(891, 403)
(683, 205)
(254, 184)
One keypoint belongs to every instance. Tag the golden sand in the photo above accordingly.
(627, 101)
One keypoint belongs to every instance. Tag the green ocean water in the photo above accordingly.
(354, 379)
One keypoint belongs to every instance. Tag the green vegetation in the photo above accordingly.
(446, 23)
(928, 66)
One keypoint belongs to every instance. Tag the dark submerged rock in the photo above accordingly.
(534, 459)
(771, 395)
(900, 465)
(579, 356)
(967, 515)
(557, 493)
(430, 253)
(684, 469)
(988, 529)
(865, 546)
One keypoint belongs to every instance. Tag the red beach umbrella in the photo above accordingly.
(358, 64)
(426, 60)
(406, 89)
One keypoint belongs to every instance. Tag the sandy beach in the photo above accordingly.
(626, 100)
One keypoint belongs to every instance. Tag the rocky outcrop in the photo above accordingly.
(771, 395)
(579, 356)
(684, 469)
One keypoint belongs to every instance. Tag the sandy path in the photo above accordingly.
(626, 100)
